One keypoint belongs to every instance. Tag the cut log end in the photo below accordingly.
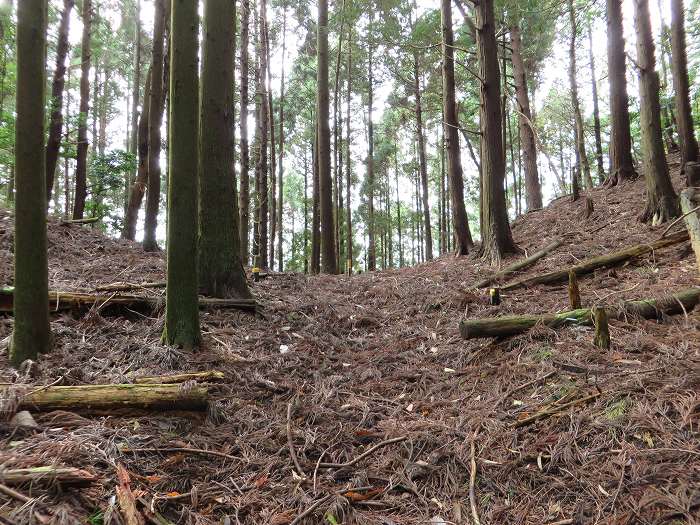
(602, 333)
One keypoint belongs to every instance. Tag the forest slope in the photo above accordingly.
(379, 356)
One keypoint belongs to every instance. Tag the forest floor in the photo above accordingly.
(359, 360)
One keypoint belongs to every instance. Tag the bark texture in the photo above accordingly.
(662, 201)
(679, 64)
(181, 312)
(621, 164)
(496, 237)
(53, 143)
(82, 147)
(451, 126)
(244, 194)
(220, 270)
(533, 190)
(155, 121)
(31, 333)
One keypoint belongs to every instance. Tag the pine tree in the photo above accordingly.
(59, 81)
(155, 121)
(244, 195)
(662, 202)
(496, 237)
(32, 333)
(621, 164)
(181, 303)
(329, 263)
(81, 164)
(220, 270)
(451, 125)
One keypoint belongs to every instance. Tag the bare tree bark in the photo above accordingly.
(684, 114)
(53, 142)
(244, 194)
(662, 201)
(155, 121)
(533, 190)
(81, 160)
(423, 163)
(451, 126)
(596, 112)
(496, 237)
(621, 164)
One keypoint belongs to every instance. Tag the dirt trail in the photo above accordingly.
(375, 357)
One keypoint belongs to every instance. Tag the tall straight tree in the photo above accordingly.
(82, 148)
(329, 262)
(679, 64)
(496, 237)
(371, 246)
(155, 121)
(59, 81)
(596, 111)
(533, 190)
(261, 167)
(280, 164)
(32, 333)
(582, 167)
(423, 163)
(135, 90)
(621, 164)
(181, 303)
(662, 201)
(220, 270)
(138, 186)
(451, 126)
(244, 194)
(348, 160)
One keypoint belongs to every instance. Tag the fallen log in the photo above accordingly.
(108, 397)
(520, 265)
(505, 326)
(209, 376)
(125, 287)
(602, 261)
(690, 205)
(87, 220)
(62, 301)
(47, 474)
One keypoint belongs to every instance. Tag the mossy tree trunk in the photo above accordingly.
(155, 121)
(662, 201)
(451, 126)
(329, 262)
(32, 332)
(621, 164)
(182, 310)
(220, 270)
(82, 147)
(56, 102)
(496, 237)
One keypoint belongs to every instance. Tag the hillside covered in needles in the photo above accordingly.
(350, 262)
(355, 399)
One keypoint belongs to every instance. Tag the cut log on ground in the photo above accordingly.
(520, 265)
(690, 204)
(46, 475)
(202, 377)
(108, 397)
(125, 287)
(87, 220)
(505, 326)
(602, 261)
(117, 303)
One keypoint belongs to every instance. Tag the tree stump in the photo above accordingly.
(602, 333)
(692, 174)
(690, 199)
(574, 293)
